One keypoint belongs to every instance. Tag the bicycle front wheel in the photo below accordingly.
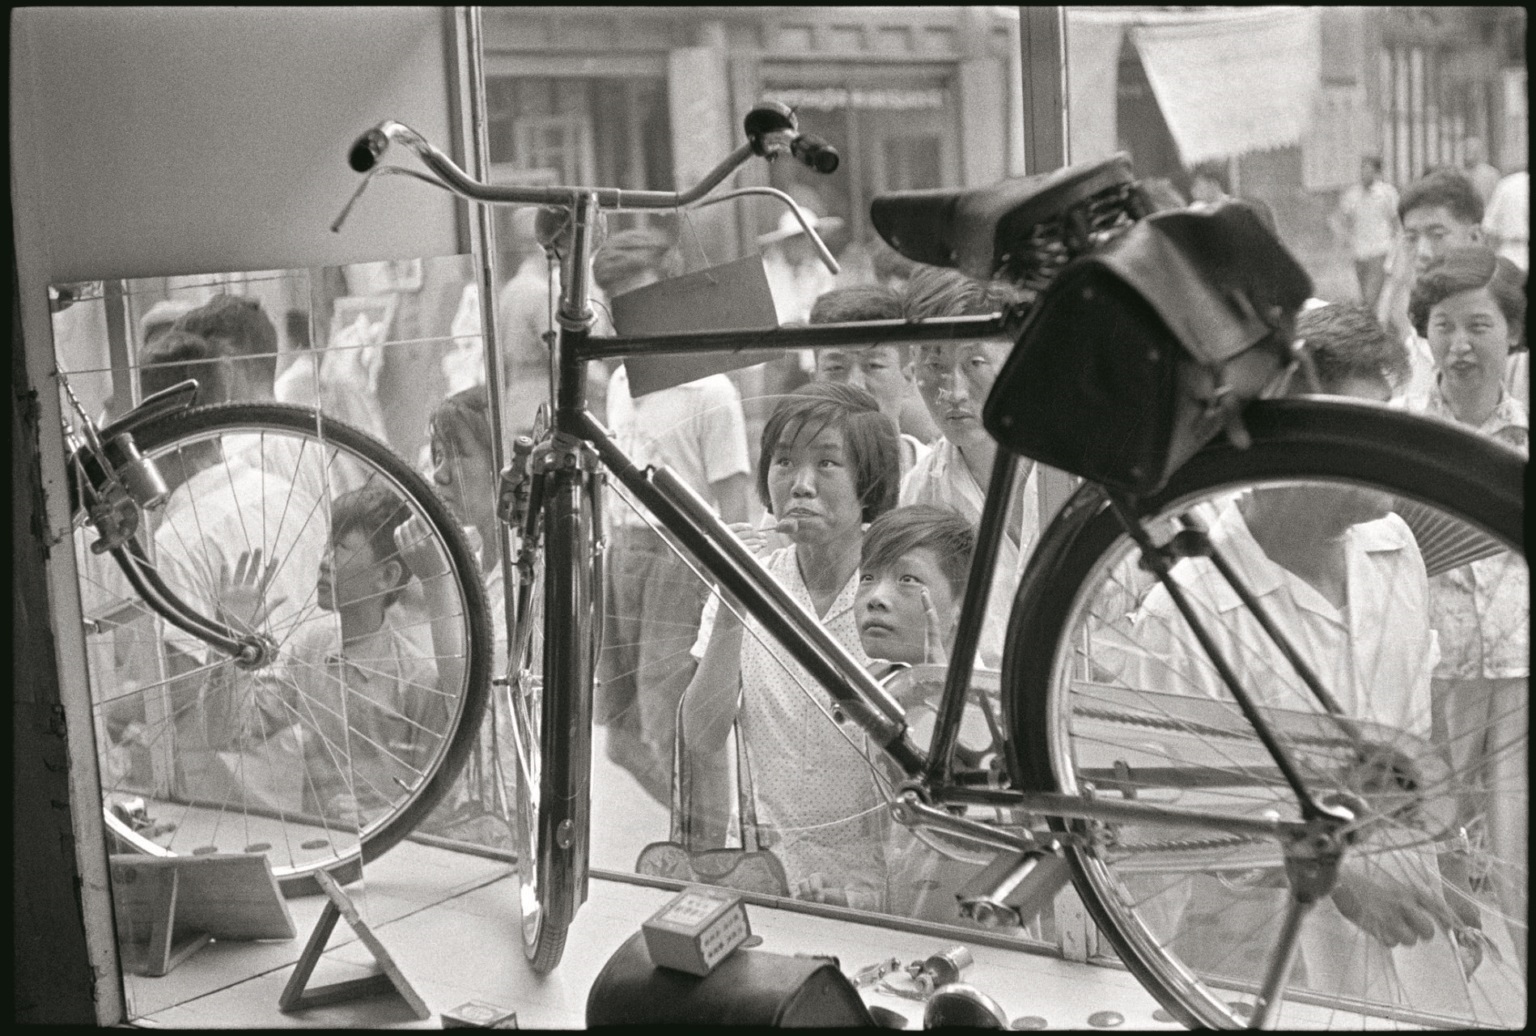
(553, 654)
(1390, 552)
(333, 749)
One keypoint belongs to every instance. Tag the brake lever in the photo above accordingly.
(822, 251)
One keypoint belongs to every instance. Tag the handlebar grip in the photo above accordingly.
(815, 152)
(366, 152)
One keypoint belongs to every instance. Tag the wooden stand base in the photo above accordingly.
(185, 902)
(390, 979)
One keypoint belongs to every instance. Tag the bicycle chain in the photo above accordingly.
(1190, 727)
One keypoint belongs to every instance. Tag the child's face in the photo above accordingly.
(349, 573)
(877, 369)
(466, 480)
(894, 623)
(1470, 339)
(954, 381)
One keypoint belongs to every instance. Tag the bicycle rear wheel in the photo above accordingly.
(553, 654)
(333, 750)
(1107, 694)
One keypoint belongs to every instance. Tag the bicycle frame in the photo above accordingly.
(931, 775)
(688, 518)
(1312, 847)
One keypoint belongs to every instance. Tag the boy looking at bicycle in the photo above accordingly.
(369, 685)
(912, 574)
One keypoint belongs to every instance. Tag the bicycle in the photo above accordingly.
(237, 738)
(1243, 792)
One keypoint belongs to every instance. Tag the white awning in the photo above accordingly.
(1232, 82)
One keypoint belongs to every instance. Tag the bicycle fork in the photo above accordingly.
(567, 489)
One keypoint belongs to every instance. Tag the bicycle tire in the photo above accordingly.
(323, 456)
(550, 686)
(1062, 717)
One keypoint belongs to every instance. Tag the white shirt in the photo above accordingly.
(1375, 655)
(1371, 216)
(1509, 217)
(697, 430)
(942, 479)
(1482, 610)
(386, 686)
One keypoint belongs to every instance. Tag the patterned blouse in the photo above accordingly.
(1482, 610)
(818, 807)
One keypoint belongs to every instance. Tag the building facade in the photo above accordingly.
(652, 97)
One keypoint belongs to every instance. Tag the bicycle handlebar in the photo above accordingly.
(771, 128)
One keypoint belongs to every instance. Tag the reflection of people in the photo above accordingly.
(340, 379)
(1367, 219)
(884, 371)
(954, 380)
(240, 330)
(202, 539)
(459, 439)
(827, 465)
(373, 666)
(654, 599)
(246, 340)
(1471, 308)
(523, 311)
(1343, 578)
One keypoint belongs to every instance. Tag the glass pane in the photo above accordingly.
(939, 115)
(1385, 143)
(238, 780)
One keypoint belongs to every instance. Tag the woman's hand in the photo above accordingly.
(751, 537)
(763, 539)
(241, 598)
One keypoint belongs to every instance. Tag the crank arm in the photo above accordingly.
(910, 811)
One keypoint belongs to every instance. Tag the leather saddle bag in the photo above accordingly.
(749, 987)
(1139, 353)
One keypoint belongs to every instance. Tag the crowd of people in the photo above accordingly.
(862, 497)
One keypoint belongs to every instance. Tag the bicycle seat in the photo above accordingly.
(974, 229)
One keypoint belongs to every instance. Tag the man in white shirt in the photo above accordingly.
(1439, 211)
(1343, 577)
(1367, 217)
(654, 600)
(1508, 219)
(954, 380)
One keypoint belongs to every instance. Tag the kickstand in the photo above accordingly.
(390, 980)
